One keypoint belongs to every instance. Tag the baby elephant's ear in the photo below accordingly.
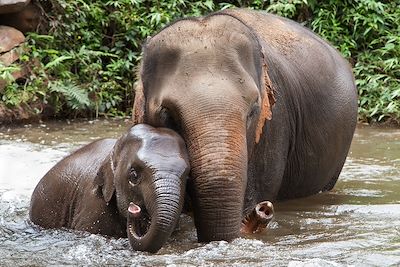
(105, 179)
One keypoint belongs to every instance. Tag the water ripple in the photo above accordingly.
(356, 224)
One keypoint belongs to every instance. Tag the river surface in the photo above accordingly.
(356, 224)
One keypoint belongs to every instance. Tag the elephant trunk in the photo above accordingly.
(164, 202)
(218, 176)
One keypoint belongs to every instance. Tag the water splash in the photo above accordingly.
(356, 224)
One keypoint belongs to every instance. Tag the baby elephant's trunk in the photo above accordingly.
(163, 203)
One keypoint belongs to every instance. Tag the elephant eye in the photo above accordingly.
(167, 120)
(164, 116)
(133, 177)
(254, 110)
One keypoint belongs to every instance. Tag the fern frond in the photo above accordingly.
(56, 62)
(77, 98)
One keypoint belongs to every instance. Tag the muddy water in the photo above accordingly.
(358, 223)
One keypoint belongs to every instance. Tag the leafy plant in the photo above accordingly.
(85, 63)
(76, 97)
(367, 32)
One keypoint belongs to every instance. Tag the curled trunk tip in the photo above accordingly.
(164, 211)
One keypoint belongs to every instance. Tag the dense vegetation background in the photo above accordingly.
(84, 64)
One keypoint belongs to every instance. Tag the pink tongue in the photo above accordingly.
(134, 209)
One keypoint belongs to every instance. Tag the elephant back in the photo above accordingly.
(316, 103)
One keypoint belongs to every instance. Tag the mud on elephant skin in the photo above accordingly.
(267, 110)
(133, 186)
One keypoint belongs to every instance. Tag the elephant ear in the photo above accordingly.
(105, 179)
(267, 99)
(139, 104)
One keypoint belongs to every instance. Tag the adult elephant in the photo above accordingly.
(133, 186)
(266, 107)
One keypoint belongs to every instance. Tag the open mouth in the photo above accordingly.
(138, 221)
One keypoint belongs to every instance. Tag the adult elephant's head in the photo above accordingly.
(147, 173)
(206, 79)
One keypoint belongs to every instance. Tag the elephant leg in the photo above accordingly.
(257, 220)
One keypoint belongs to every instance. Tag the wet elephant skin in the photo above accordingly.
(267, 110)
(98, 187)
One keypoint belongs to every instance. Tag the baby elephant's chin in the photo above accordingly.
(138, 221)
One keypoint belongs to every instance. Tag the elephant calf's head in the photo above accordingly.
(147, 174)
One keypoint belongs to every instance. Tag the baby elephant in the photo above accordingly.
(133, 186)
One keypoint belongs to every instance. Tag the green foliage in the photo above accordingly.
(85, 64)
(76, 97)
(367, 32)
(286, 8)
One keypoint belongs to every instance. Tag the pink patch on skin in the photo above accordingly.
(134, 209)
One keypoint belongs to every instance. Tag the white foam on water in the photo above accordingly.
(335, 232)
(315, 263)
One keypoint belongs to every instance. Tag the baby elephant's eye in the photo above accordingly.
(133, 176)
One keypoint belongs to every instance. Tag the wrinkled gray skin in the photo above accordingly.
(215, 80)
(92, 188)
